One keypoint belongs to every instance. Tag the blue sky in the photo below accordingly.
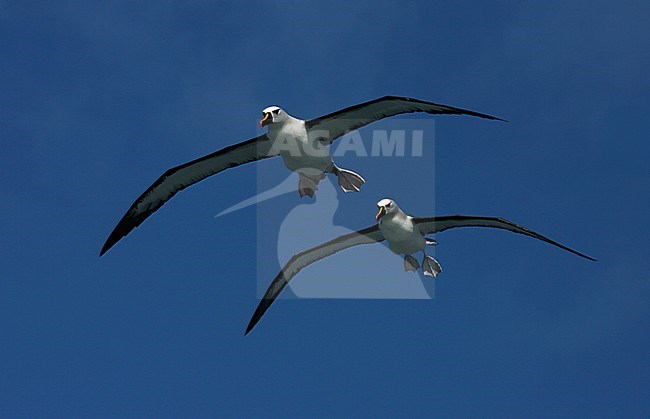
(98, 99)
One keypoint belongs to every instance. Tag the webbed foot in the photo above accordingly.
(410, 263)
(430, 266)
(348, 180)
(308, 185)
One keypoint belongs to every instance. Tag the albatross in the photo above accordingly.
(302, 144)
(404, 234)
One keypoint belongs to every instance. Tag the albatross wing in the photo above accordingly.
(372, 234)
(180, 177)
(432, 225)
(299, 261)
(339, 123)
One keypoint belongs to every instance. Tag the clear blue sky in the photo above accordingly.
(99, 98)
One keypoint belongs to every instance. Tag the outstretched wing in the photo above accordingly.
(339, 123)
(306, 258)
(432, 225)
(180, 177)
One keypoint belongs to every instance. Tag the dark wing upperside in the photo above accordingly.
(180, 177)
(433, 225)
(339, 123)
(301, 260)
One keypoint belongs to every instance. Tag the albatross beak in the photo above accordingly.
(380, 214)
(266, 118)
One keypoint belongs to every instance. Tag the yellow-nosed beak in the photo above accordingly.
(380, 214)
(266, 117)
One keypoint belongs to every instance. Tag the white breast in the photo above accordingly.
(292, 143)
(402, 236)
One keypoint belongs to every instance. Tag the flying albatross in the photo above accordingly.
(404, 234)
(300, 143)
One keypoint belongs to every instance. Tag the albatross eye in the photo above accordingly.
(277, 111)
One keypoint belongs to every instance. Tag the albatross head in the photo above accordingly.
(272, 115)
(386, 207)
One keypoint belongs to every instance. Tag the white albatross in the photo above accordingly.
(302, 144)
(404, 234)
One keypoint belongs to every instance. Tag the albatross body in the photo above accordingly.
(302, 144)
(304, 153)
(405, 238)
(404, 234)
